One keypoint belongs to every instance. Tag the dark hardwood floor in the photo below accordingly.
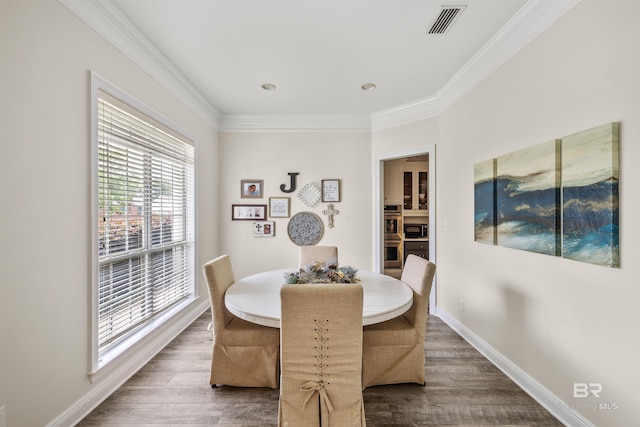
(463, 389)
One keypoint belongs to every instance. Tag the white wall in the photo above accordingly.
(560, 321)
(45, 248)
(270, 156)
(415, 135)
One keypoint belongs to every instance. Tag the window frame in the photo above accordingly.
(135, 339)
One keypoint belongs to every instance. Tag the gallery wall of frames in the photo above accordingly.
(304, 228)
(557, 198)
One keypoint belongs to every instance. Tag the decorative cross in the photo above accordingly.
(330, 212)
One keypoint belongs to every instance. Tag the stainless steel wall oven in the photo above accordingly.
(393, 236)
(393, 222)
(393, 253)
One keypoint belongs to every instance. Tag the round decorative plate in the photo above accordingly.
(305, 229)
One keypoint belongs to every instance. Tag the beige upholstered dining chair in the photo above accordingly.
(393, 351)
(321, 356)
(311, 254)
(244, 354)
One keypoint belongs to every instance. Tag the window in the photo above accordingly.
(144, 200)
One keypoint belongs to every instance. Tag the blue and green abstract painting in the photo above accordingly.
(590, 175)
(528, 198)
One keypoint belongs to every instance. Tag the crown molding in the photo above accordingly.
(406, 113)
(110, 23)
(295, 123)
(530, 21)
(535, 17)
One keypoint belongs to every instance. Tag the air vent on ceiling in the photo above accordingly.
(446, 18)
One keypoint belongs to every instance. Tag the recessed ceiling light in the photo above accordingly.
(269, 86)
(368, 86)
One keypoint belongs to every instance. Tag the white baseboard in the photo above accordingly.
(87, 403)
(552, 403)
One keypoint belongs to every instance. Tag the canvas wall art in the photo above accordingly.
(590, 175)
(528, 199)
(484, 188)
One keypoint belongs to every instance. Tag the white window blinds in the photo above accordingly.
(145, 220)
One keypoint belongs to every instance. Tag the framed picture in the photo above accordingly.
(264, 229)
(251, 188)
(279, 207)
(330, 190)
(249, 212)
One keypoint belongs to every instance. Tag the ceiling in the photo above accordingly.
(319, 53)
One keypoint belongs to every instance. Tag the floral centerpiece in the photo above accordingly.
(322, 272)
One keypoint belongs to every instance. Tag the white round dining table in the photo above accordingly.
(256, 298)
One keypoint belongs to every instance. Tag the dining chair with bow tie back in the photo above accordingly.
(321, 356)
(393, 351)
(244, 354)
(312, 254)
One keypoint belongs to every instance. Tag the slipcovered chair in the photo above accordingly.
(321, 356)
(393, 351)
(311, 254)
(244, 354)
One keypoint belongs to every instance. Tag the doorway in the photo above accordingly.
(415, 193)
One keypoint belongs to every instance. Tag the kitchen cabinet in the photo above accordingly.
(392, 183)
(415, 187)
